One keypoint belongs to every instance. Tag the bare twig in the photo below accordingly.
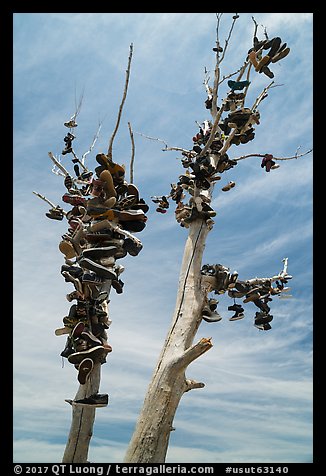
(180, 149)
(132, 154)
(58, 164)
(122, 103)
(93, 143)
(52, 205)
(295, 156)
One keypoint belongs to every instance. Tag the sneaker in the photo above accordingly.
(91, 278)
(238, 84)
(55, 213)
(237, 316)
(212, 317)
(236, 308)
(252, 295)
(131, 247)
(67, 249)
(97, 354)
(70, 124)
(100, 252)
(89, 336)
(84, 370)
(265, 69)
(263, 62)
(117, 284)
(126, 202)
(96, 400)
(62, 330)
(253, 59)
(228, 187)
(74, 199)
(97, 268)
(281, 54)
(77, 330)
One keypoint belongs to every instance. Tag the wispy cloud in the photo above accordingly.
(256, 405)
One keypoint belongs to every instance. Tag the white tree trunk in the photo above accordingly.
(150, 440)
(81, 429)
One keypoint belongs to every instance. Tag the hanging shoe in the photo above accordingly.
(228, 187)
(237, 316)
(97, 268)
(238, 85)
(55, 213)
(252, 295)
(96, 353)
(280, 54)
(97, 400)
(84, 370)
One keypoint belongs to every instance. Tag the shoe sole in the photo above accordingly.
(85, 368)
(62, 330)
(212, 319)
(236, 318)
(95, 353)
(97, 269)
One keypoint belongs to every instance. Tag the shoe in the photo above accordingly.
(89, 336)
(96, 400)
(68, 350)
(265, 69)
(97, 354)
(100, 252)
(70, 124)
(253, 59)
(274, 45)
(280, 54)
(263, 62)
(84, 369)
(262, 318)
(236, 308)
(252, 295)
(62, 331)
(91, 278)
(237, 316)
(55, 213)
(97, 268)
(213, 317)
(126, 202)
(228, 187)
(67, 249)
(117, 284)
(239, 85)
(77, 330)
(74, 271)
(131, 247)
(74, 199)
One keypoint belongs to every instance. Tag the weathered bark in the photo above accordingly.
(150, 440)
(81, 429)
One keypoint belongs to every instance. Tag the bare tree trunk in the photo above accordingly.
(150, 440)
(81, 429)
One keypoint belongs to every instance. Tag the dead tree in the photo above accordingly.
(204, 162)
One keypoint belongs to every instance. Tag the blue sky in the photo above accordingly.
(257, 402)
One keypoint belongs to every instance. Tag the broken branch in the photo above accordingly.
(122, 103)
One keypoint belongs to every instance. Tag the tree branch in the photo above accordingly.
(191, 384)
(296, 156)
(180, 149)
(122, 103)
(132, 154)
(195, 351)
(93, 143)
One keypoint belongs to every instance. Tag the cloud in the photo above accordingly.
(257, 399)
